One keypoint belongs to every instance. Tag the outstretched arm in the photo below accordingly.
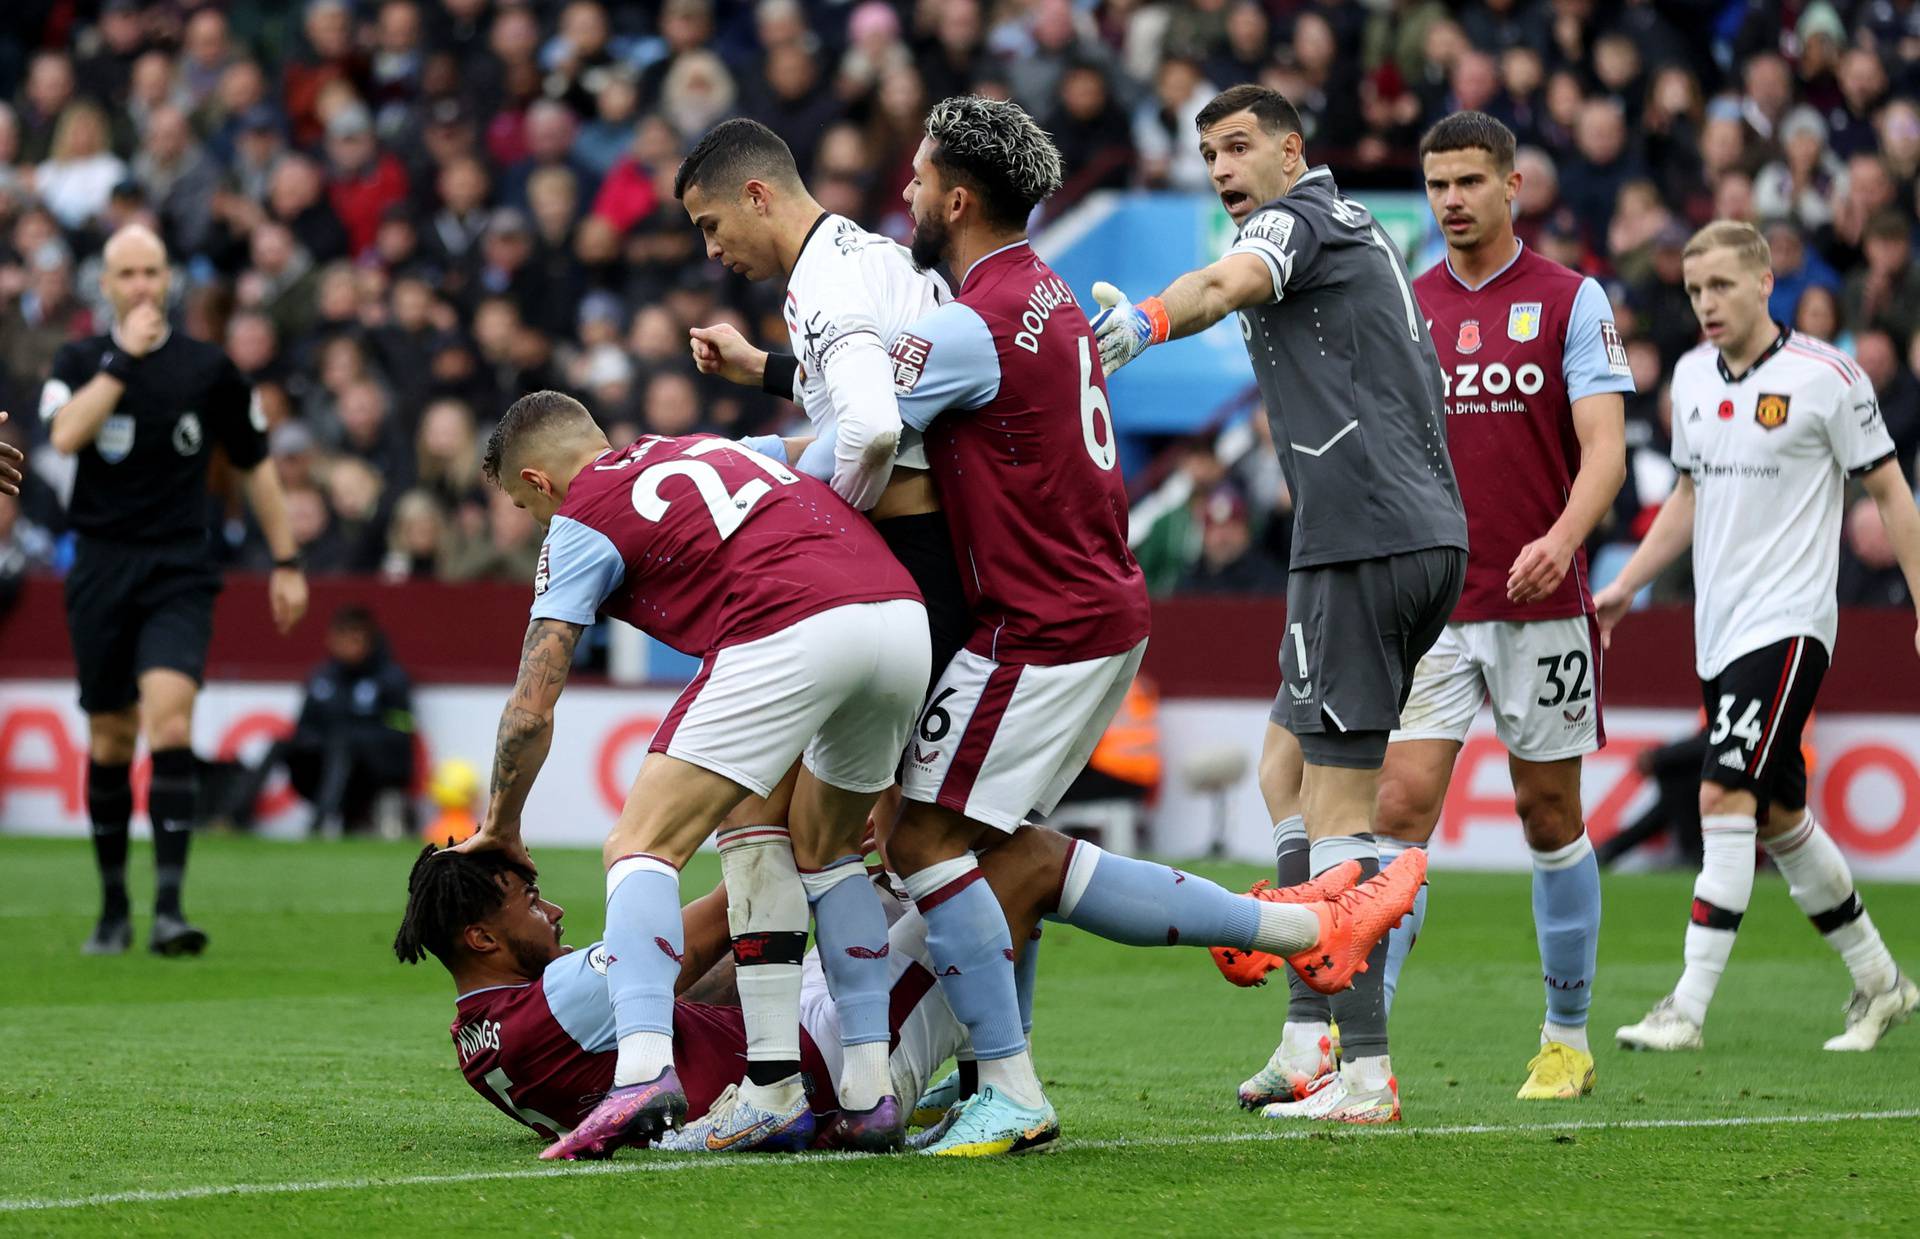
(1190, 305)
(526, 732)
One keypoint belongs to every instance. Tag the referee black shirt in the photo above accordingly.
(144, 476)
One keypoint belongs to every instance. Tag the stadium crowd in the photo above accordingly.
(399, 215)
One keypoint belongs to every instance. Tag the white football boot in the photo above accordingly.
(1362, 1091)
(1301, 1064)
(1665, 1028)
(1869, 1016)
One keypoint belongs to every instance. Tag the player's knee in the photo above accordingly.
(924, 838)
(1550, 816)
(1716, 798)
(1405, 811)
(170, 731)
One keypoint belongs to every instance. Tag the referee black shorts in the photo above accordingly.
(924, 546)
(132, 608)
(1757, 708)
(1355, 632)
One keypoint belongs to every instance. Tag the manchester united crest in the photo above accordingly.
(1469, 338)
(1771, 411)
(1523, 321)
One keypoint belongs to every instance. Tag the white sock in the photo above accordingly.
(642, 1057)
(1302, 1037)
(1723, 890)
(1822, 885)
(779, 1097)
(1013, 1075)
(1286, 928)
(1565, 1035)
(769, 1008)
(1367, 1073)
(864, 1077)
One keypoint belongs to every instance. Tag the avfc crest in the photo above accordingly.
(1523, 321)
(1771, 411)
(1468, 340)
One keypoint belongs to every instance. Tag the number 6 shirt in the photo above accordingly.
(1007, 385)
(701, 543)
(1769, 452)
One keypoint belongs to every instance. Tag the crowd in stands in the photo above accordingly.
(400, 214)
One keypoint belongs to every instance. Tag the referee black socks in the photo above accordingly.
(110, 805)
(170, 803)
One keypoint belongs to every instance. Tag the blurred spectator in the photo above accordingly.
(506, 547)
(1795, 269)
(179, 179)
(1230, 562)
(1886, 292)
(1801, 185)
(45, 314)
(1091, 133)
(1163, 130)
(686, 26)
(1870, 573)
(363, 181)
(48, 91)
(1898, 391)
(1590, 182)
(417, 547)
(80, 170)
(1818, 315)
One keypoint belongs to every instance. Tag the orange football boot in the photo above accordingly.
(1250, 968)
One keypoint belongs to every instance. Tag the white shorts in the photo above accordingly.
(1541, 677)
(925, 1032)
(1001, 743)
(842, 686)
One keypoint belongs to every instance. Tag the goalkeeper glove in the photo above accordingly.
(1124, 330)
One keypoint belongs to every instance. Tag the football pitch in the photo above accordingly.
(296, 1080)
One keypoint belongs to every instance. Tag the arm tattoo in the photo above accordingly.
(526, 725)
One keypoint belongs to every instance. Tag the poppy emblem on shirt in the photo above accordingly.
(1523, 321)
(1771, 411)
(1726, 410)
(1469, 339)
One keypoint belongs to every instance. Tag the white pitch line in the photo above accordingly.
(586, 1169)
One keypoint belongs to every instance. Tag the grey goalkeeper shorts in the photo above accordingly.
(1355, 631)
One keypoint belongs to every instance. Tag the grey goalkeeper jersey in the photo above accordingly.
(1352, 385)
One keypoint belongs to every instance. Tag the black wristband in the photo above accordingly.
(292, 561)
(116, 364)
(778, 378)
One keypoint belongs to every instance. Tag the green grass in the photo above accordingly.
(297, 1052)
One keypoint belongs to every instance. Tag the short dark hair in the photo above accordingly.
(353, 618)
(1273, 110)
(1471, 131)
(732, 153)
(996, 150)
(446, 892)
(529, 415)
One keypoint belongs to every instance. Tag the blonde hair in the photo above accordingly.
(1737, 235)
(72, 117)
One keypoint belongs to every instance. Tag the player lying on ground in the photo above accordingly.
(1356, 400)
(1534, 371)
(1768, 426)
(535, 1028)
(812, 640)
(848, 293)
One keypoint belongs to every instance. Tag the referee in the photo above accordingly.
(1354, 393)
(143, 408)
